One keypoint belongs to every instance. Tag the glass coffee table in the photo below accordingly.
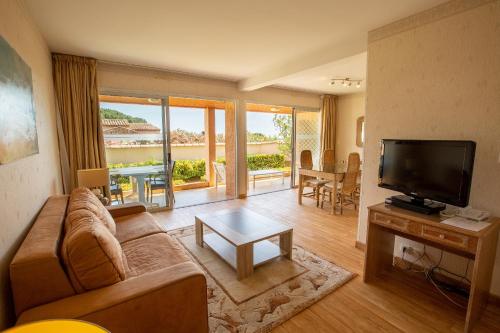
(240, 237)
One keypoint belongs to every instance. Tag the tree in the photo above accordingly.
(283, 123)
(113, 114)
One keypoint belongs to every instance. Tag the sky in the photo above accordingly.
(192, 119)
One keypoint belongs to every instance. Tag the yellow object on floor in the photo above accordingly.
(59, 326)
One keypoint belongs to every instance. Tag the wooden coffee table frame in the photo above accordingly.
(244, 255)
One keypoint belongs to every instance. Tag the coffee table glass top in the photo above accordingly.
(242, 226)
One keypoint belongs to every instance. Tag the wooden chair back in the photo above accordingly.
(328, 160)
(306, 159)
(350, 178)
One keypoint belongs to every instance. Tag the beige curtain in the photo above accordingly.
(328, 122)
(79, 124)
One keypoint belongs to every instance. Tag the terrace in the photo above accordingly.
(135, 152)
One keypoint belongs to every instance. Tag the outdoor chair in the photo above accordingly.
(156, 182)
(114, 188)
(220, 173)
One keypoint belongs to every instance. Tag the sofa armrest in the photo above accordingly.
(172, 299)
(126, 209)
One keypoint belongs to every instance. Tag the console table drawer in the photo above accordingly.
(450, 238)
(396, 223)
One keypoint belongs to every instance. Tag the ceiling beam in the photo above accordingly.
(314, 59)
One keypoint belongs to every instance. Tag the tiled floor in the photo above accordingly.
(211, 194)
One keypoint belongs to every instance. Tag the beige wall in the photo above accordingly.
(349, 108)
(437, 76)
(26, 183)
(114, 78)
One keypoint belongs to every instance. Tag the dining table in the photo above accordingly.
(139, 173)
(335, 175)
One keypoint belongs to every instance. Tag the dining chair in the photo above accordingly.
(309, 181)
(328, 160)
(346, 192)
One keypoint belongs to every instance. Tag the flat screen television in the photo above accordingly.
(428, 169)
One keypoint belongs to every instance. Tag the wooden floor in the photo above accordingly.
(395, 303)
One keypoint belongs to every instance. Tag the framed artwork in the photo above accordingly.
(18, 134)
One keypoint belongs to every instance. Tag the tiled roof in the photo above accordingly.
(114, 125)
(114, 122)
(143, 127)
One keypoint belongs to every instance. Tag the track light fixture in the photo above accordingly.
(346, 82)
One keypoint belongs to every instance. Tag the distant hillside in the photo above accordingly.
(113, 114)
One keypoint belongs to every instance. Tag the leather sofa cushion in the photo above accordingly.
(92, 255)
(83, 198)
(135, 226)
(151, 253)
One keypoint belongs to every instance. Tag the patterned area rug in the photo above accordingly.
(274, 293)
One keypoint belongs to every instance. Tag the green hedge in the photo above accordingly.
(265, 161)
(190, 170)
(262, 161)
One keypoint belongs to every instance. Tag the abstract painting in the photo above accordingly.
(18, 135)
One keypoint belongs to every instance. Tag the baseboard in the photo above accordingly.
(360, 246)
(242, 196)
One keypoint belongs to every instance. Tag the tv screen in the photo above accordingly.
(436, 170)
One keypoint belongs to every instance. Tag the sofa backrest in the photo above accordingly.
(36, 273)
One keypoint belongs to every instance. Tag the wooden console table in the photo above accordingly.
(385, 222)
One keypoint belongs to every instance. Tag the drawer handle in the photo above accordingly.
(441, 236)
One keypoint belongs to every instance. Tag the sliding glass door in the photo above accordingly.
(134, 139)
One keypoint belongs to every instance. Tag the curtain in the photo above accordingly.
(328, 122)
(79, 124)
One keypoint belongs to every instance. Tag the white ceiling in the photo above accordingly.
(317, 79)
(259, 42)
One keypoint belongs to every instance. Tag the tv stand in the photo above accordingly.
(386, 221)
(418, 205)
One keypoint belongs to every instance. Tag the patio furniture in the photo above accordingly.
(266, 174)
(139, 173)
(220, 173)
(240, 236)
(156, 182)
(346, 190)
(115, 188)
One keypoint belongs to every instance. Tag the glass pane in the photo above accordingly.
(198, 150)
(269, 148)
(307, 136)
(133, 139)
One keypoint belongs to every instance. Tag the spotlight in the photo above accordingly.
(358, 85)
(332, 83)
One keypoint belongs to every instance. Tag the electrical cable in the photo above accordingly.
(429, 272)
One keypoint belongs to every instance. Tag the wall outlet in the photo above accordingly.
(409, 250)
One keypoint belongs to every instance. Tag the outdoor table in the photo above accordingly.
(139, 173)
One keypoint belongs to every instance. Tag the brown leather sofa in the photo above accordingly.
(115, 267)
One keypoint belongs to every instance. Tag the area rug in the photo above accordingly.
(273, 294)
